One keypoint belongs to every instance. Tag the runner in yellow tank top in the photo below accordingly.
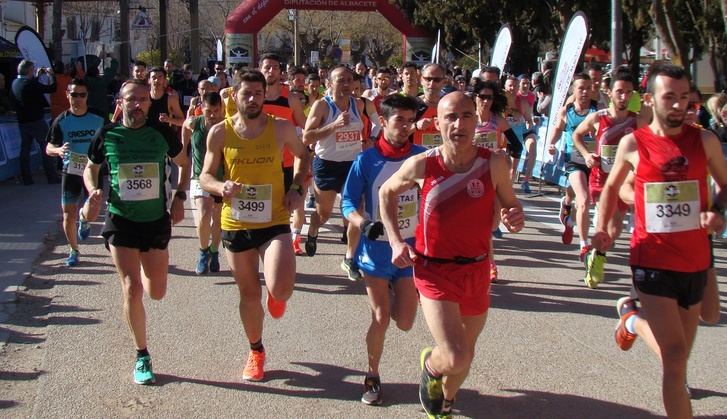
(256, 208)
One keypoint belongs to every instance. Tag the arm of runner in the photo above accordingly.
(374, 118)
(584, 128)
(175, 116)
(511, 214)
(288, 137)
(713, 219)
(626, 191)
(96, 157)
(409, 175)
(624, 163)
(212, 161)
(527, 111)
(295, 102)
(314, 128)
(56, 146)
(176, 152)
(192, 106)
(353, 189)
(557, 130)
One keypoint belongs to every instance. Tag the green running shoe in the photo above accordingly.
(595, 261)
(142, 371)
(431, 394)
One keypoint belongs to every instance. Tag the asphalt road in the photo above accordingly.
(547, 350)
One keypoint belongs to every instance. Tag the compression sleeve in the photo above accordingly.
(514, 146)
(353, 189)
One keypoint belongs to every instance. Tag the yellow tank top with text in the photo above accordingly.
(256, 164)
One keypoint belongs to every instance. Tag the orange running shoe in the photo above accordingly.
(626, 307)
(493, 272)
(584, 251)
(296, 247)
(275, 308)
(254, 368)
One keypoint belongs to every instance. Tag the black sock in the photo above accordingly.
(257, 346)
(140, 353)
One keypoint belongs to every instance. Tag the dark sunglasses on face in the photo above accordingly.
(484, 96)
(78, 94)
(434, 79)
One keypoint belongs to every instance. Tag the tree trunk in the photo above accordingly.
(723, 3)
(662, 14)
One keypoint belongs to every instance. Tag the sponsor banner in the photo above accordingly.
(239, 47)
(419, 50)
(502, 47)
(32, 48)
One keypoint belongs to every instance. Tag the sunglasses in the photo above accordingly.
(78, 94)
(484, 97)
(434, 79)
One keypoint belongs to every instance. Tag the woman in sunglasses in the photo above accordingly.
(494, 132)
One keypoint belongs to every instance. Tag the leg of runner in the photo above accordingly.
(70, 217)
(215, 236)
(279, 268)
(297, 226)
(455, 337)
(674, 329)
(579, 182)
(530, 143)
(203, 220)
(324, 207)
(710, 302)
(353, 235)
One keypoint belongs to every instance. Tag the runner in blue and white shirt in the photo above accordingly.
(368, 172)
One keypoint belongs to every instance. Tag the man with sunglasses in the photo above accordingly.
(137, 227)
(425, 132)
(69, 136)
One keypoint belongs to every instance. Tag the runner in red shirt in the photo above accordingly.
(459, 181)
(669, 247)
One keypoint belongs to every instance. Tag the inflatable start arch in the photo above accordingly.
(244, 23)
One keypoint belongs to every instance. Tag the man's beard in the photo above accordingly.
(671, 123)
(252, 115)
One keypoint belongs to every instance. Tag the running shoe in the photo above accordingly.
(311, 246)
(567, 236)
(493, 273)
(203, 262)
(625, 307)
(349, 266)
(72, 259)
(254, 368)
(564, 210)
(525, 186)
(84, 230)
(497, 233)
(296, 247)
(214, 261)
(446, 410)
(595, 261)
(372, 391)
(311, 202)
(431, 394)
(276, 308)
(584, 252)
(142, 371)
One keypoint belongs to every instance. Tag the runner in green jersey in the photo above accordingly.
(138, 227)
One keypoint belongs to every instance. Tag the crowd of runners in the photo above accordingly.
(410, 153)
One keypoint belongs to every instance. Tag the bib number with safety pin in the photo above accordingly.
(76, 164)
(577, 157)
(671, 207)
(406, 215)
(348, 140)
(431, 140)
(253, 204)
(138, 181)
(487, 140)
(608, 156)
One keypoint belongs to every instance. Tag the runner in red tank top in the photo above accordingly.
(459, 182)
(425, 132)
(669, 248)
(610, 125)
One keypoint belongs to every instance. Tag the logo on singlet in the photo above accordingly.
(251, 192)
(675, 169)
(138, 170)
(475, 188)
(671, 191)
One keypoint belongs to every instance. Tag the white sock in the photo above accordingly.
(584, 243)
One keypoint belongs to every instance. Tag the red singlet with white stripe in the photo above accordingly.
(670, 191)
(608, 136)
(455, 213)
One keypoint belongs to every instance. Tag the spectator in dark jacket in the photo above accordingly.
(30, 104)
(98, 87)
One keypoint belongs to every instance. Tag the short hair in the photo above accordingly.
(295, 71)
(581, 76)
(410, 64)
(24, 66)
(135, 82)
(253, 76)
(395, 102)
(383, 70)
(271, 56)
(77, 82)
(665, 69)
(499, 101)
(338, 67)
(595, 67)
(312, 77)
(222, 63)
(435, 65)
(158, 69)
(491, 69)
(139, 63)
(187, 67)
(622, 74)
(212, 99)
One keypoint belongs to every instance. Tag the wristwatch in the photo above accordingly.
(296, 187)
(181, 195)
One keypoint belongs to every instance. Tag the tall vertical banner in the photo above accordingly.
(552, 167)
(32, 49)
(500, 51)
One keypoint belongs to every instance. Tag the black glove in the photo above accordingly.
(372, 230)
